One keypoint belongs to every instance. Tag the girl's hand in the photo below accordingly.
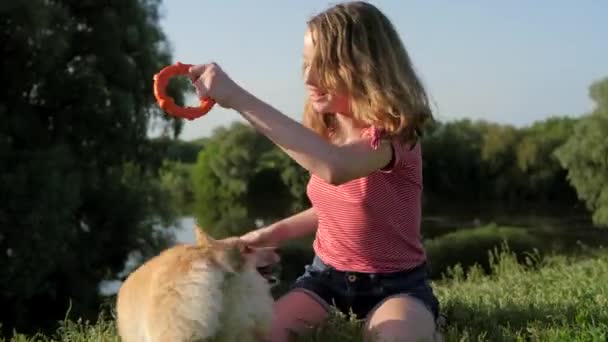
(210, 80)
(261, 237)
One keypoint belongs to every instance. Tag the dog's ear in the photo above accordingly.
(230, 259)
(202, 238)
(235, 257)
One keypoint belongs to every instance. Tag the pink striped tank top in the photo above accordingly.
(372, 224)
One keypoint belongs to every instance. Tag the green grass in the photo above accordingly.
(555, 299)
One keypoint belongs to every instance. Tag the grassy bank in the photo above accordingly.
(556, 299)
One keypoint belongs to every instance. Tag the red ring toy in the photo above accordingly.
(166, 102)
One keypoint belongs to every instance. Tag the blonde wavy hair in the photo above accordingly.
(358, 51)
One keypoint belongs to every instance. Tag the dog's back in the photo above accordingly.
(185, 294)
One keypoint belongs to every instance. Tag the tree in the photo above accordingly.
(238, 181)
(451, 157)
(535, 158)
(78, 182)
(295, 178)
(501, 178)
(585, 155)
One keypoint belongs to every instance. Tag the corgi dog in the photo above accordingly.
(208, 291)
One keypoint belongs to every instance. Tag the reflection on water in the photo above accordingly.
(184, 233)
(445, 216)
(562, 227)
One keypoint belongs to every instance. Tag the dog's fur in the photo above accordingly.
(208, 291)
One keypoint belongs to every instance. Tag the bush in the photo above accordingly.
(294, 256)
(472, 246)
(465, 247)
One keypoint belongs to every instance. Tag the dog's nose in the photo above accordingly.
(273, 281)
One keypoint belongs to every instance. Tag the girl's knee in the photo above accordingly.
(293, 313)
(401, 318)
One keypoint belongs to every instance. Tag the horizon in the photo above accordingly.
(497, 63)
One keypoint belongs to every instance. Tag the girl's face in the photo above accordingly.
(321, 100)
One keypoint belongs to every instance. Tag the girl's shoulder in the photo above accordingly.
(405, 155)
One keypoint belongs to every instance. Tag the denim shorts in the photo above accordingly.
(360, 293)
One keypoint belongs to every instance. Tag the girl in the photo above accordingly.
(362, 120)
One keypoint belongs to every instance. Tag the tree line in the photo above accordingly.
(240, 179)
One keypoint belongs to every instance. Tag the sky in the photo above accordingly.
(512, 62)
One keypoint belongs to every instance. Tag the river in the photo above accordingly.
(568, 225)
(184, 233)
